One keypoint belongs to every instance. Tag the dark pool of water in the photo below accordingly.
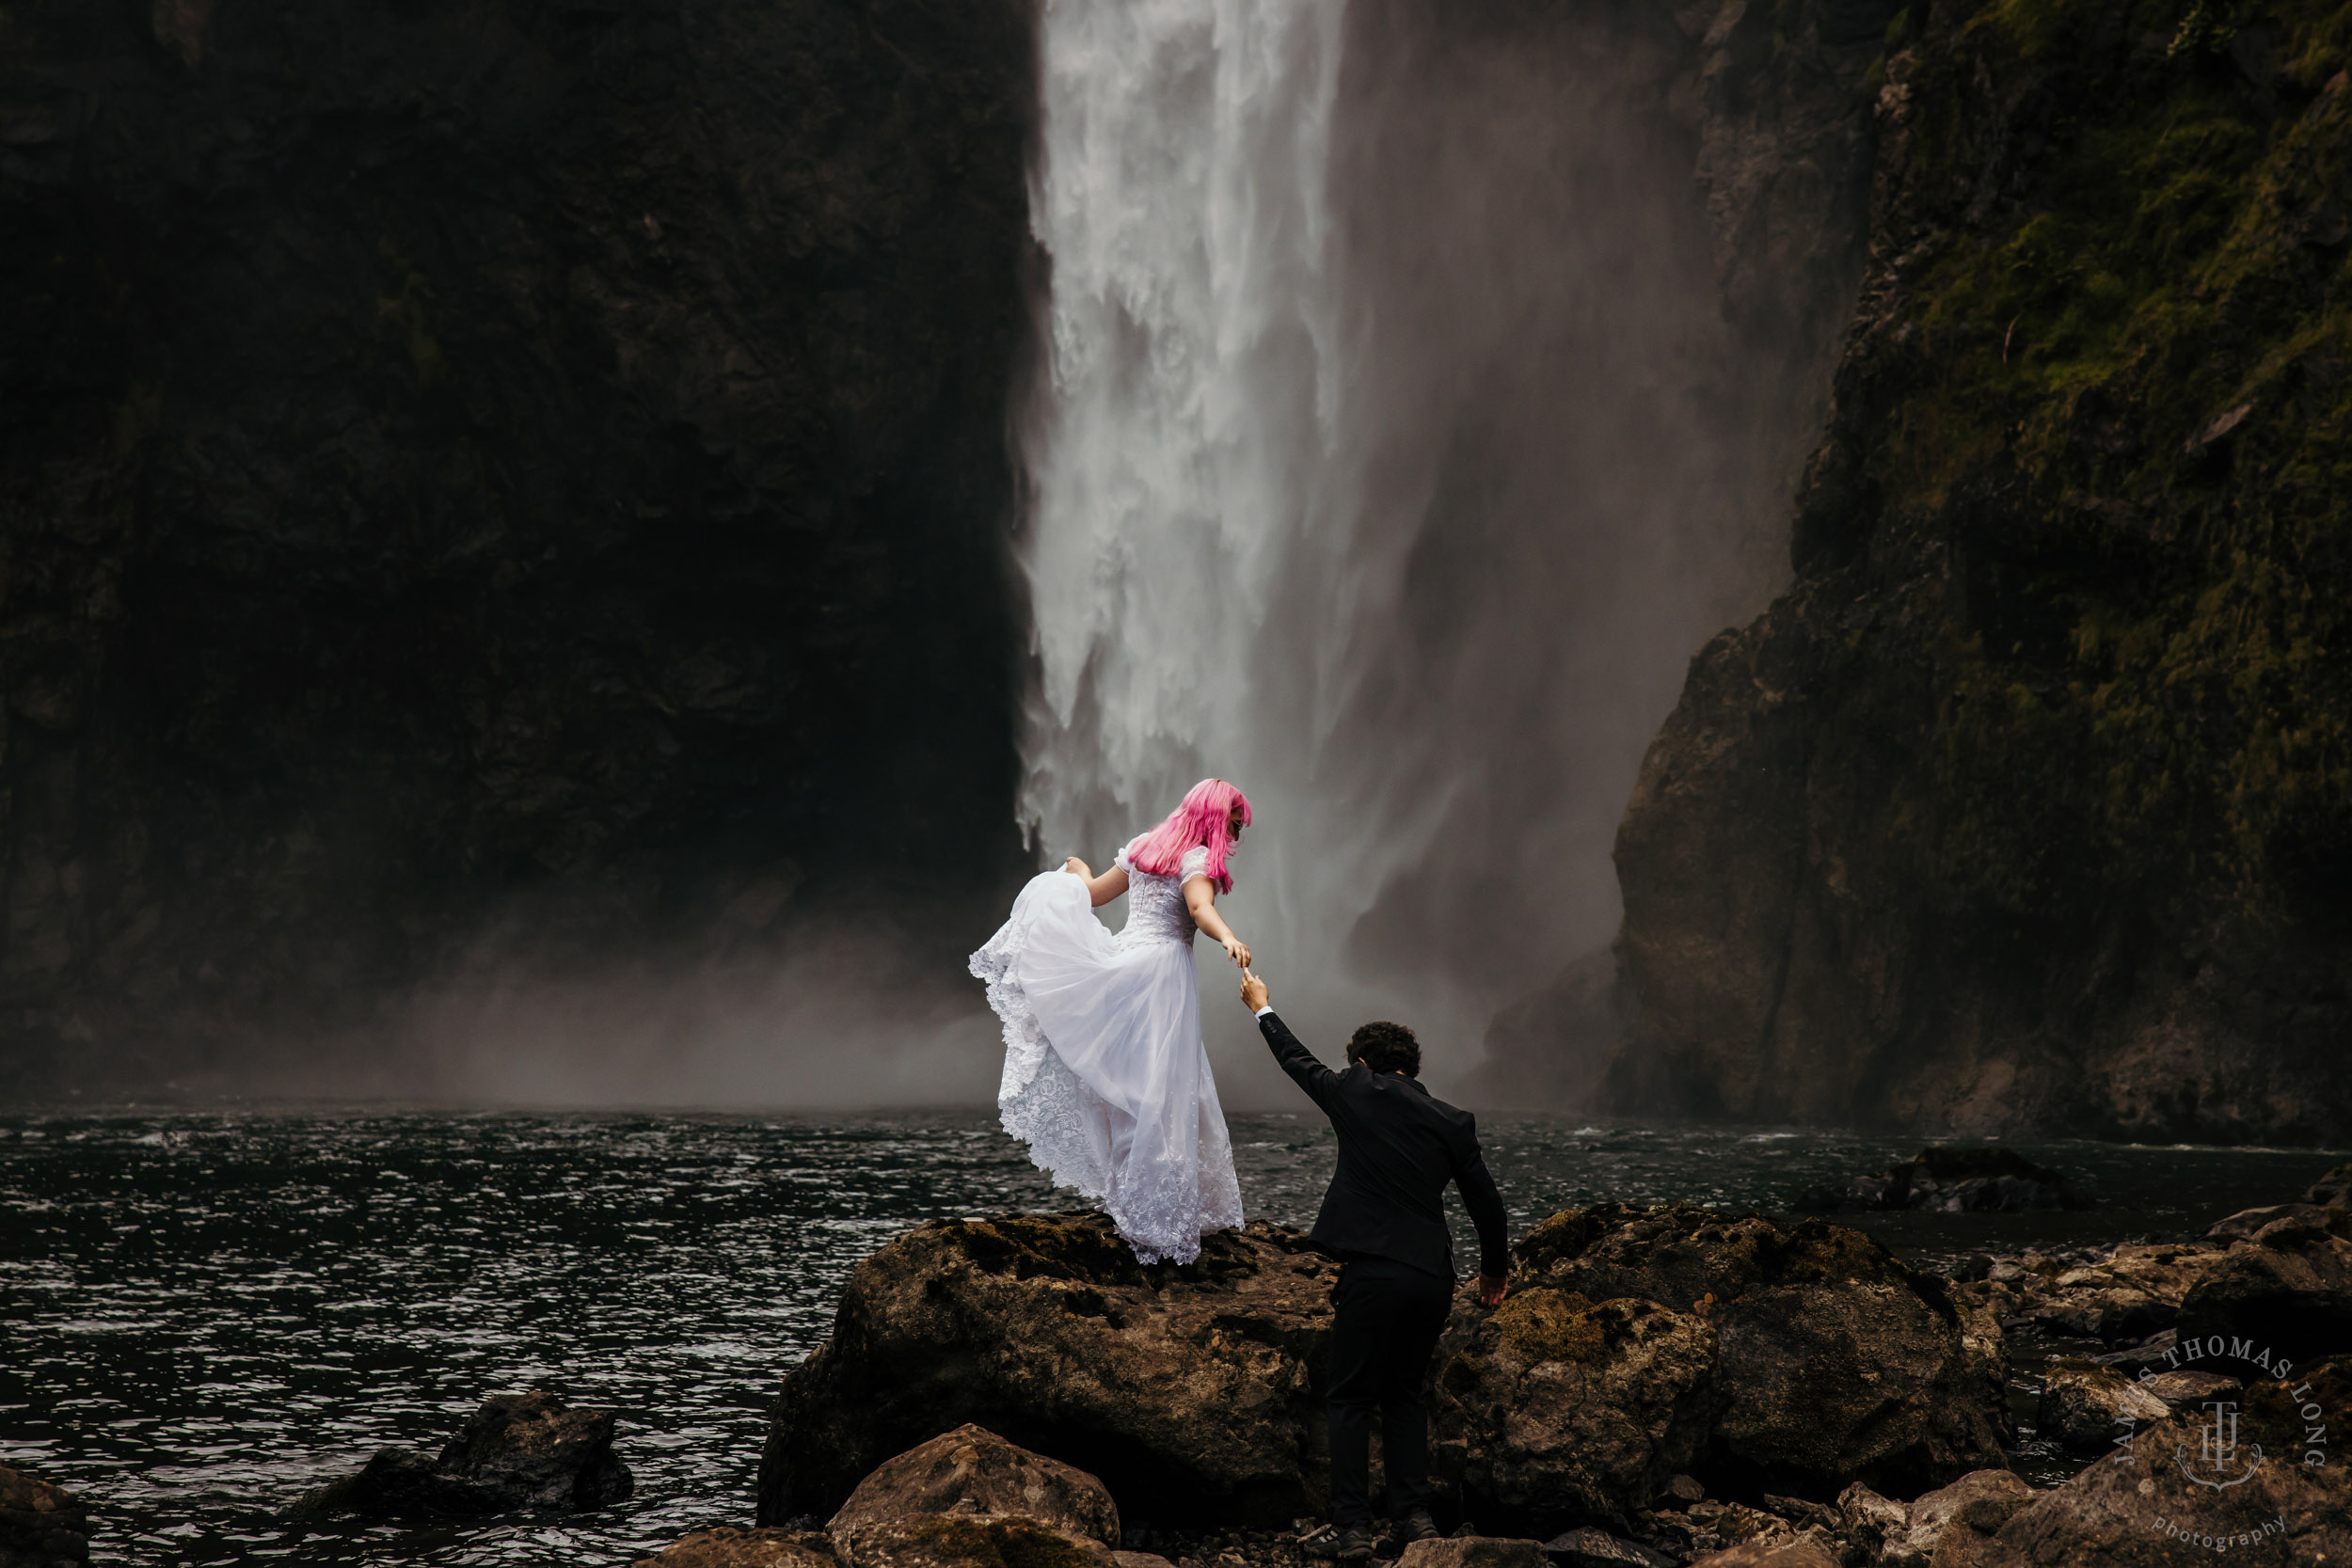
(208, 1314)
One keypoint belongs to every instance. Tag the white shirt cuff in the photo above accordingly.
(1267, 1009)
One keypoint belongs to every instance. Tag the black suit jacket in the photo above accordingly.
(1399, 1146)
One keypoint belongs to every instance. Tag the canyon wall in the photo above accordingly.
(487, 467)
(2028, 807)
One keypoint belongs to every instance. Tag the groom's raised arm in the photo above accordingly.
(1296, 1059)
(1293, 1058)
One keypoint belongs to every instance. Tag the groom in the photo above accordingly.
(1383, 1218)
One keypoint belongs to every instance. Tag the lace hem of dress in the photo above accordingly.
(1024, 1037)
(1160, 1212)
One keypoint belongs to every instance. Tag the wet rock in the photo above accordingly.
(2166, 1271)
(1953, 1525)
(2333, 1190)
(2186, 1389)
(730, 1547)
(2151, 1354)
(2086, 1406)
(2288, 1290)
(2246, 1224)
(1871, 1521)
(41, 1526)
(519, 1454)
(1555, 1409)
(1589, 1547)
(1803, 1514)
(967, 1540)
(1800, 1551)
(1474, 1551)
(1952, 1181)
(2164, 1506)
(1832, 1360)
(972, 1471)
(1639, 1344)
(1188, 1390)
(2102, 1312)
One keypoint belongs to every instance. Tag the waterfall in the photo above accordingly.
(1187, 442)
(1182, 202)
(1389, 463)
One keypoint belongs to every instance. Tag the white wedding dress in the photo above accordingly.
(1105, 1078)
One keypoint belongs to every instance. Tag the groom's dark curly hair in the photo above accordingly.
(1386, 1048)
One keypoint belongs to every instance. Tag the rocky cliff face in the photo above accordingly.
(2027, 806)
(479, 458)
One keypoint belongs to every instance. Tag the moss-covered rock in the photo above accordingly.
(2030, 803)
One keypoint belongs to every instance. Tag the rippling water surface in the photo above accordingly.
(207, 1314)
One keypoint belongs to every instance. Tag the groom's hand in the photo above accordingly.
(1253, 992)
(1492, 1288)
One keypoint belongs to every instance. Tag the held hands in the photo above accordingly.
(1238, 951)
(1492, 1288)
(1253, 991)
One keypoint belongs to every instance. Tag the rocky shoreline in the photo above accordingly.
(1667, 1385)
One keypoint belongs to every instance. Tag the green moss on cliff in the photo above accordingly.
(2131, 403)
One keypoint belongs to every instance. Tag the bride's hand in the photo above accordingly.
(1238, 951)
(1077, 867)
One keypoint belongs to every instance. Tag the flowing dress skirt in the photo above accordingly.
(1105, 1078)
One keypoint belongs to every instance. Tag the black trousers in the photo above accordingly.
(1385, 1323)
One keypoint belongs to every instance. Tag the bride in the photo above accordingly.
(1105, 1078)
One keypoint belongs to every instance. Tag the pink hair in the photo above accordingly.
(1201, 819)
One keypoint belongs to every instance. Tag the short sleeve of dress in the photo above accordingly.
(1122, 860)
(1195, 864)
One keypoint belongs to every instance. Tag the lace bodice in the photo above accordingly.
(1155, 904)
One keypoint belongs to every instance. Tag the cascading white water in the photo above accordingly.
(1183, 200)
(1185, 447)
(1389, 465)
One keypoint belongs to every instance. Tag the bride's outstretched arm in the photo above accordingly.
(1103, 889)
(1200, 898)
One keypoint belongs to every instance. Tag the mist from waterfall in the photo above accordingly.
(1391, 461)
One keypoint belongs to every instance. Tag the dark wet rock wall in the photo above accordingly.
(2026, 807)
(489, 462)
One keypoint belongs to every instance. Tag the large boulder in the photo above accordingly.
(2249, 1224)
(968, 1541)
(1475, 1551)
(1189, 1391)
(1554, 1409)
(973, 1471)
(1800, 1551)
(1833, 1361)
(2333, 1190)
(1640, 1343)
(1953, 1527)
(519, 1454)
(2160, 1503)
(41, 1526)
(2288, 1288)
(729, 1548)
(2086, 1406)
